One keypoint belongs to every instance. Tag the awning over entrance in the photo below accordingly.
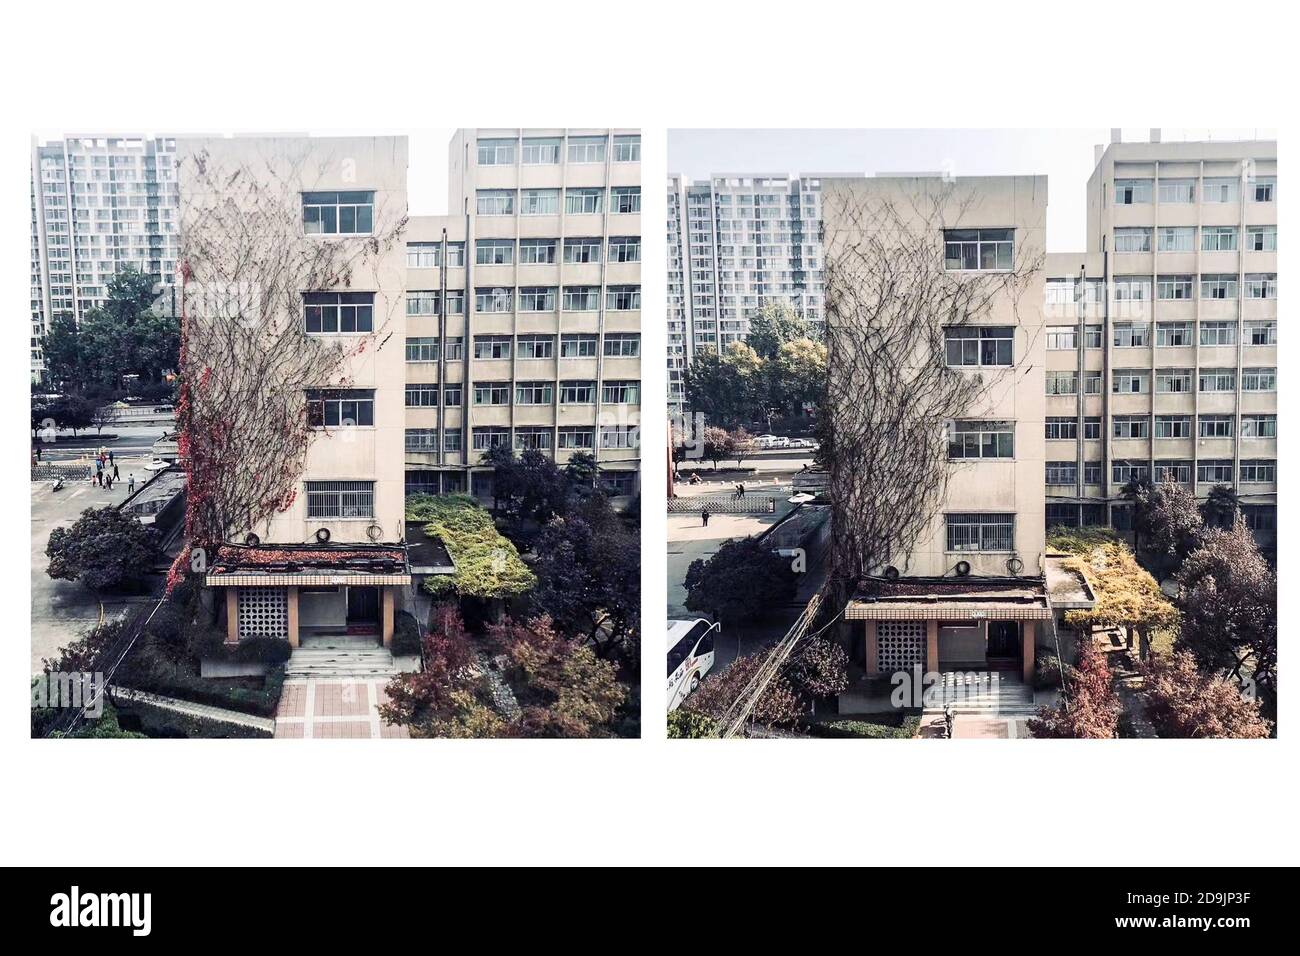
(308, 565)
(949, 599)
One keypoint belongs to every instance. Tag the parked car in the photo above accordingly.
(690, 656)
(764, 441)
(801, 443)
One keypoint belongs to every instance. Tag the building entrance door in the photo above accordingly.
(363, 610)
(1004, 645)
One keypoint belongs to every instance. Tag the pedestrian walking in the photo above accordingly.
(110, 458)
(130, 483)
(742, 491)
(116, 476)
(705, 515)
(38, 453)
(108, 481)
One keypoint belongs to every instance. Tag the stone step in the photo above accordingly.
(340, 662)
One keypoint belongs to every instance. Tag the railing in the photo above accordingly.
(722, 504)
(49, 471)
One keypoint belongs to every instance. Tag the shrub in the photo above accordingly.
(406, 635)
(1047, 670)
(867, 729)
(689, 724)
(104, 549)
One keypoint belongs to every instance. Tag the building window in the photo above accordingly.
(451, 395)
(421, 303)
(1258, 426)
(618, 484)
(539, 202)
(1259, 380)
(583, 202)
(578, 346)
(1062, 338)
(582, 250)
(577, 393)
(534, 393)
(627, 149)
(981, 532)
(451, 441)
(1124, 471)
(1130, 335)
(1264, 189)
(1218, 287)
(1131, 192)
(1170, 380)
(1174, 287)
(492, 346)
(1130, 426)
(495, 202)
(340, 499)
(1136, 239)
(622, 393)
(338, 313)
(1132, 288)
(1261, 238)
(496, 152)
(625, 199)
(453, 348)
(1062, 472)
(537, 252)
(327, 408)
(492, 393)
(421, 396)
(422, 439)
(1173, 334)
(1061, 383)
(978, 250)
(1177, 190)
(423, 255)
(1177, 238)
(978, 345)
(1092, 428)
(421, 349)
(581, 298)
(1218, 333)
(536, 346)
(1214, 470)
(1218, 380)
(1092, 336)
(494, 300)
(623, 298)
(532, 437)
(620, 436)
(338, 214)
(1173, 426)
(1218, 238)
(1129, 381)
(625, 249)
(485, 439)
(1219, 190)
(537, 298)
(541, 152)
(455, 254)
(1261, 285)
(622, 345)
(1259, 517)
(1214, 426)
(1179, 471)
(577, 438)
(981, 439)
(586, 149)
(494, 252)
(456, 302)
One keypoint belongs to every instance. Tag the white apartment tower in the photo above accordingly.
(99, 204)
(1162, 335)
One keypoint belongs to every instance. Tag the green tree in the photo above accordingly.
(719, 445)
(773, 326)
(725, 388)
(104, 549)
(1221, 507)
(65, 362)
(798, 376)
(745, 579)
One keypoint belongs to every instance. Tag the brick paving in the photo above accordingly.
(337, 709)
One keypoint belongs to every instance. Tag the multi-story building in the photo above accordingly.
(1162, 334)
(513, 321)
(970, 592)
(99, 204)
(740, 241)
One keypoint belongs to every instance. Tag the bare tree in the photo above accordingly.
(245, 363)
(891, 392)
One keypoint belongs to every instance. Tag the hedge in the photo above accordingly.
(865, 729)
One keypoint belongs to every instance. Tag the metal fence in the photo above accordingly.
(48, 471)
(722, 504)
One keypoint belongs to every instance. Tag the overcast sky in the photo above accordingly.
(1064, 156)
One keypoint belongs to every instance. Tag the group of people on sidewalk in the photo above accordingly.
(107, 472)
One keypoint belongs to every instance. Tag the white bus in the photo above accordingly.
(690, 656)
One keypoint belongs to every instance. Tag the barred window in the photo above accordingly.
(981, 532)
(340, 499)
(338, 313)
(981, 439)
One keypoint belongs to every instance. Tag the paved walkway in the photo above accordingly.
(343, 708)
(193, 709)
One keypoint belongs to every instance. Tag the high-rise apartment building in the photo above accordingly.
(99, 204)
(1162, 334)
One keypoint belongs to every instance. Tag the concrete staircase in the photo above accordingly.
(988, 694)
(340, 656)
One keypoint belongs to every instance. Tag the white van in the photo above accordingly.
(690, 656)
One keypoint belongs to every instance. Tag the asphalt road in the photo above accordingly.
(131, 440)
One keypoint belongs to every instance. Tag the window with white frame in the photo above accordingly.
(492, 346)
(1219, 189)
(618, 484)
(494, 300)
(576, 437)
(1061, 472)
(1259, 517)
(1177, 239)
(536, 346)
(1061, 382)
(491, 393)
(625, 249)
(621, 393)
(454, 348)
(488, 437)
(423, 255)
(1130, 381)
(1132, 288)
(338, 213)
(422, 439)
(622, 298)
(980, 532)
(1133, 239)
(1130, 335)
(1218, 238)
(1092, 473)
(1062, 337)
(539, 202)
(1214, 471)
(1061, 428)
(422, 303)
(1261, 238)
(541, 151)
(1123, 471)
(1218, 380)
(586, 149)
(496, 152)
(1173, 470)
(622, 345)
(340, 499)
(1173, 426)
(620, 436)
(978, 250)
(1214, 426)
(1173, 334)
(578, 393)
(1130, 426)
(421, 395)
(1174, 287)
(421, 349)
(534, 393)
(495, 202)
(537, 252)
(1264, 189)
(627, 149)
(582, 249)
(1218, 286)
(455, 254)
(1218, 333)
(494, 252)
(972, 345)
(537, 298)
(974, 439)
(338, 313)
(1261, 285)
(1177, 190)
(1092, 336)
(451, 395)
(581, 298)
(583, 202)
(1173, 380)
(1258, 425)
(1132, 192)
(625, 199)
(340, 407)
(578, 345)
(532, 437)
(1259, 380)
